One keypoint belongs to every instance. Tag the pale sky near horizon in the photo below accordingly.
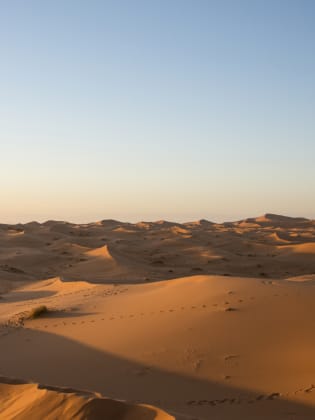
(146, 110)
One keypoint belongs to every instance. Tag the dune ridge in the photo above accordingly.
(25, 400)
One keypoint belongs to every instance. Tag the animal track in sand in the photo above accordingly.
(249, 400)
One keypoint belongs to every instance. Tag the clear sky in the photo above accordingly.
(156, 109)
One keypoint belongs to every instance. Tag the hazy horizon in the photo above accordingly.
(133, 221)
(157, 110)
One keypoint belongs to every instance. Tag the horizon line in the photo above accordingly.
(160, 221)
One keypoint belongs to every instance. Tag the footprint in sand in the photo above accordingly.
(231, 356)
(310, 389)
(273, 396)
(231, 360)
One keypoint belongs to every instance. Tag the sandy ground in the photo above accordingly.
(205, 321)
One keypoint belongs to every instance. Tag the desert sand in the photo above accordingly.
(202, 320)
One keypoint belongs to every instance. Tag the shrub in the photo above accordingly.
(37, 312)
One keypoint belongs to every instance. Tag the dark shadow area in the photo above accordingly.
(64, 314)
(57, 361)
(16, 296)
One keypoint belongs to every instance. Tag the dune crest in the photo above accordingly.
(23, 400)
(102, 252)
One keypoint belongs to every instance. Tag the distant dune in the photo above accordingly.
(147, 251)
(205, 320)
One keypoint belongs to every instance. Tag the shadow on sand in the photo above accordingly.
(58, 361)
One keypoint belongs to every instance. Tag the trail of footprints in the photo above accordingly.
(250, 399)
(116, 291)
(226, 307)
(122, 316)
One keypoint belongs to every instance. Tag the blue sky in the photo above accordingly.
(167, 109)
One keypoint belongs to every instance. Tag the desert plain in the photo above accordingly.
(158, 320)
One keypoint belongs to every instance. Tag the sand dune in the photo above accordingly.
(308, 248)
(20, 400)
(307, 277)
(101, 252)
(277, 220)
(156, 250)
(203, 320)
(197, 346)
(275, 238)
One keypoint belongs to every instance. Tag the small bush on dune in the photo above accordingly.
(37, 312)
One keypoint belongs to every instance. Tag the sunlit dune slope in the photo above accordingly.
(21, 400)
